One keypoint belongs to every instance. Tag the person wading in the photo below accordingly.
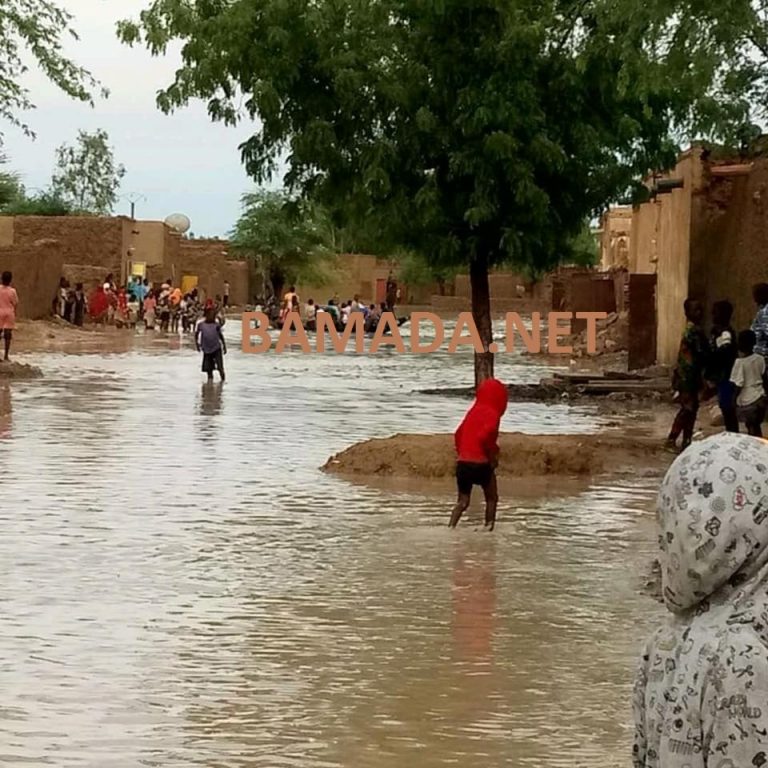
(477, 450)
(9, 301)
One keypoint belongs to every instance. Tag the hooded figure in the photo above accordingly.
(477, 436)
(477, 450)
(701, 694)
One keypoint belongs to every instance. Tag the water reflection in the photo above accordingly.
(6, 412)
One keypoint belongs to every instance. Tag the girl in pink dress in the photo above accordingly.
(9, 300)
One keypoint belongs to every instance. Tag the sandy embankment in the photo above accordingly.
(432, 457)
(57, 335)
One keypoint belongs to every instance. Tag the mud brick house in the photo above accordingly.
(39, 250)
(701, 235)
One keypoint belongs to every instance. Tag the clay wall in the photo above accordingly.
(6, 230)
(729, 248)
(146, 242)
(503, 285)
(208, 260)
(97, 241)
(37, 270)
(673, 265)
(347, 275)
(643, 239)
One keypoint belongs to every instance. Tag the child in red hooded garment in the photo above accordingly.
(477, 450)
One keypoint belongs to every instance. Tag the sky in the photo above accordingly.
(182, 163)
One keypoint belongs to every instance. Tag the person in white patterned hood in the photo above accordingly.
(701, 693)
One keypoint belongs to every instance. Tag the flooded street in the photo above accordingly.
(180, 585)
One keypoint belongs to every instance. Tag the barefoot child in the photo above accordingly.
(688, 376)
(9, 300)
(477, 450)
(210, 340)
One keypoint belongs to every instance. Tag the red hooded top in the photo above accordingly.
(477, 436)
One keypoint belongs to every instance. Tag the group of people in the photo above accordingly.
(137, 302)
(340, 313)
(725, 364)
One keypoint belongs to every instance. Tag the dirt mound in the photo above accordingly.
(18, 371)
(433, 457)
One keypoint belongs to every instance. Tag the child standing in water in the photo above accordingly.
(701, 689)
(748, 377)
(9, 300)
(688, 376)
(210, 340)
(477, 450)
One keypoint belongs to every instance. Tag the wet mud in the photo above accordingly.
(521, 455)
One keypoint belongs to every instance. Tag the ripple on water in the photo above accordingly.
(181, 586)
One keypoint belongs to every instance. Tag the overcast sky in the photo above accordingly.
(181, 163)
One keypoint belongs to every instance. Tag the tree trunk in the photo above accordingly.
(481, 312)
(277, 278)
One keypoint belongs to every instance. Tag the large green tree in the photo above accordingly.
(86, 175)
(475, 132)
(288, 239)
(33, 30)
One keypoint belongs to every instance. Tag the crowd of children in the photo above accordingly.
(726, 365)
(135, 304)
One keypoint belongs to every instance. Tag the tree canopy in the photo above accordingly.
(473, 132)
(35, 29)
(289, 240)
(86, 175)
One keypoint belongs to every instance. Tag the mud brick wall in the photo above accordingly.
(729, 247)
(36, 273)
(208, 259)
(88, 240)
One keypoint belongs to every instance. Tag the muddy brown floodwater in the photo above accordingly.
(181, 586)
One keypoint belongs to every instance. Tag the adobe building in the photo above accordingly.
(39, 250)
(702, 235)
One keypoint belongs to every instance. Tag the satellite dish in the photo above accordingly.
(179, 222)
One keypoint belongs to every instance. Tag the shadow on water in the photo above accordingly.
(165, 604)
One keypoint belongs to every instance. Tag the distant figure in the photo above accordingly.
(81, 305)
(9, 301)
(150, 307)
(226, 294)
(210, 340)
(288, 298)
(760, 324)
(310, 312)
(748, 378)
(62, 297)
(477, 450)
(391, 291)
(133, 308)
(98, 306)
(723, 353)
(699, 698)
(687, 379)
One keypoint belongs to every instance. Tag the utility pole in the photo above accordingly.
(133, 199)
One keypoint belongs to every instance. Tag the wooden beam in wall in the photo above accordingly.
(731, 170)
